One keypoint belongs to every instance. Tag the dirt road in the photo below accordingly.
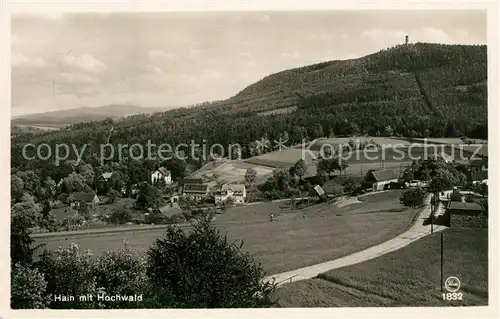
(415, 232)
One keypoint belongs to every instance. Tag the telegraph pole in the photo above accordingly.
(441, 262)
(433, 206)
(432, 223)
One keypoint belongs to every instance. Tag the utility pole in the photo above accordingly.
(432, 222)
(441, 262)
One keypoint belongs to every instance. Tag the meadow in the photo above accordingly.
(289, 242)
(399, 153)
(406, 277)
(232, 172)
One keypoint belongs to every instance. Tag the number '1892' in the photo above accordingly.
(452, 296)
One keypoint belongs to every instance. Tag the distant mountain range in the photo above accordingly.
(83, 114)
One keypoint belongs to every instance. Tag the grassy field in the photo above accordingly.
(383, 141)
(278, 111)
(287, 243)
(283, 158)
(453, 140)
(232, 171)
(407, 277)
(400, 154)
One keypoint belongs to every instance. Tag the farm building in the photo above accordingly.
(184, 181)
(161, 175)
(171, 210)
(237, 192)
(331, 187)
(195, 191)
(75, 199)
(466, 215)
(377, 179)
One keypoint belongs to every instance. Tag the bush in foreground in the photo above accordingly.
(203, 270)
(27, 288)
(194, 269)
(68, 272)
(413, 198)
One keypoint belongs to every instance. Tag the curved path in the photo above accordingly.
(415, 232)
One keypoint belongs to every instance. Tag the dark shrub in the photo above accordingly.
(203, 270)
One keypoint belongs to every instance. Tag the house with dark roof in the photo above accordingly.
(237, 192)
(195, 191)
(171, 210)
(464, 208)
(377, 179)
(184, 181)
(161, 175)
(76, 199)
(333, 188)
(466, 215)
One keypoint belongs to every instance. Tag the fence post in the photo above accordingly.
(441, 261)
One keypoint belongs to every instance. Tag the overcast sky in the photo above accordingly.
(176, 59)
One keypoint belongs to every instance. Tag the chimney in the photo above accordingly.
(406, 39)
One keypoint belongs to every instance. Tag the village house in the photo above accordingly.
(185, 181)
(171, 210)
(332, 188)
(466, 215)
(75, 199)
(161, 175)
(377, 179)
(195, 191)
(479, 177)
(237, 192)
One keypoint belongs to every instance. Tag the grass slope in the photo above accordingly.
(290, 241)
(407, 277)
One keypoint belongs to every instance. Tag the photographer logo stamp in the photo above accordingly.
(452, 284)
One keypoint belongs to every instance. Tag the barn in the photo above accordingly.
(466, 215)
(377, 179)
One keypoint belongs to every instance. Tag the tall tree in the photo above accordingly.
(300, 168)
(203, 269)
(250, 176)
(413, 198)
(16, 188)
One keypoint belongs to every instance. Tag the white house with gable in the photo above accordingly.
(161, 174)
(237, 192)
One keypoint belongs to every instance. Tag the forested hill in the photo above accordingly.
(419, 90)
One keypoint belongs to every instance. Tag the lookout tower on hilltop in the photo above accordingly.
(406, 39)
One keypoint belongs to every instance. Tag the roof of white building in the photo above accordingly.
(233, 187)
